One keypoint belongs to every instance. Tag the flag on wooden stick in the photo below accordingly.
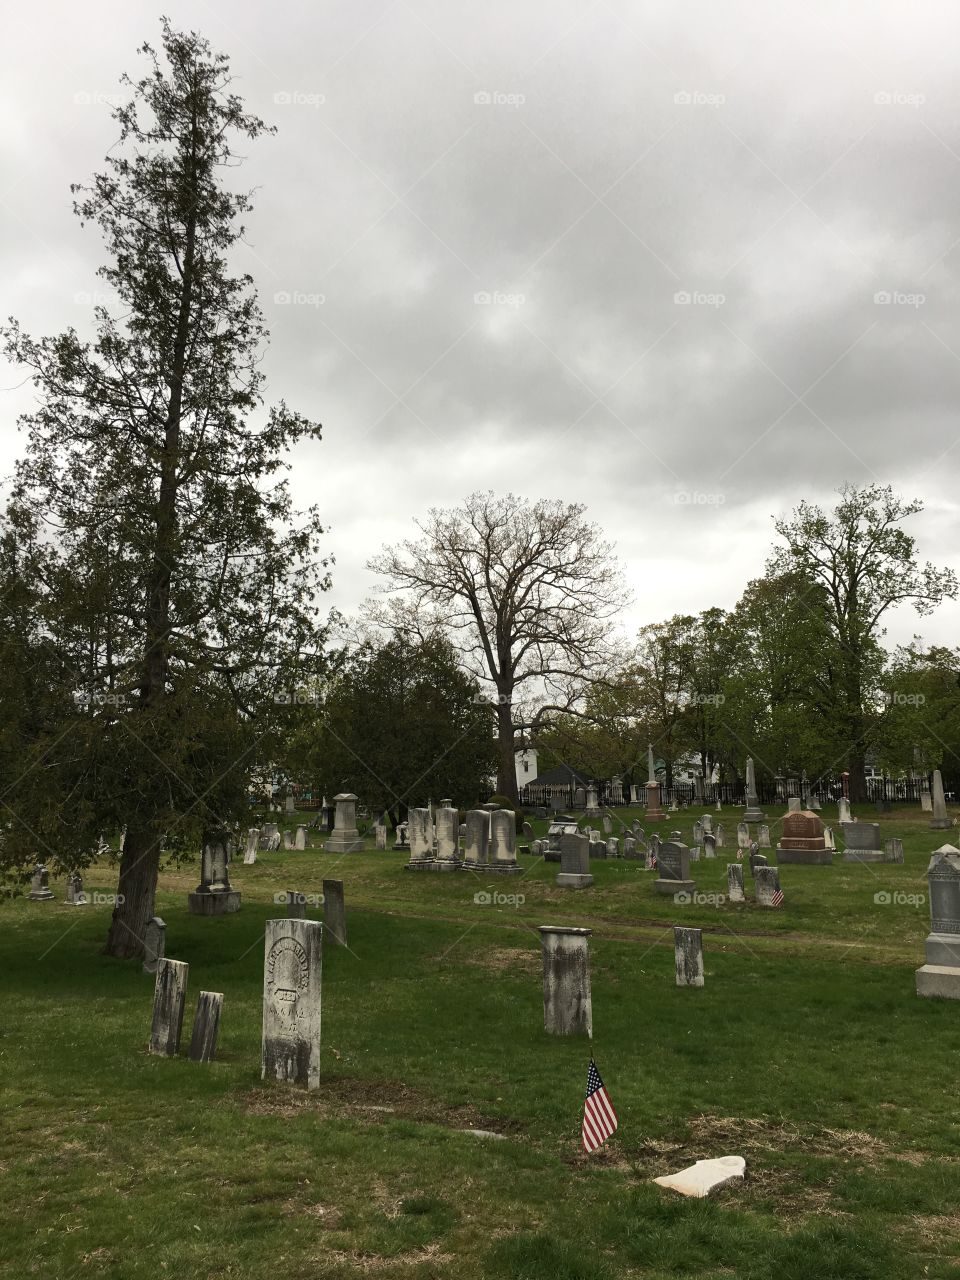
(599, 1117)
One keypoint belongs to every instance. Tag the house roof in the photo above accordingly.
(564, 775)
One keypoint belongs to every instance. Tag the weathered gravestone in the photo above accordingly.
(940, 976)
(528, 829)
(735, 882)
(769, 893)
(154, 944)
(40, 890)
(288, 839)
(74, 896)
(296, 905)
(707, 821)
(695, 853)
(720, 835)
(574, 862)
(292, 971)
(420, 828)
(940, 820)
(828, 839)
(893, 851)
(300, 842)
(673, 864)
(756, 860)
(206, 1026)
(629, 847)
(688, 956)
(763, 836)
(448, 839)
(698, 832)
(709, 845)
(843, 809)
(380, 835)
(401, 842)
(334, 912)
(476, 843)
(214, 895)
(926, 804)
(250, 852)
(345, 838)
(743, 836)
(567, 1006)
(794, 804)
(862, 842)
(503, 843)
(607, 824)
(169, 997)
(613, 847)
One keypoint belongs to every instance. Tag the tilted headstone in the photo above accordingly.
(334, 912)
(154, 944)
(292, 973)
(503, 842)
(169, 997)
(40, 890)
(448, 839)
(763, 836)
(893, 851)
(735, 882)
(768, 887)
(206, 1026)
(345, 838)
(567, 1005)
(420, 831)
(940, 976)
(939, 821)
(476, 843)
(574, 862)
(688, 956)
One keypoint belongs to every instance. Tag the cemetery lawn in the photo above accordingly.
(807, 1052)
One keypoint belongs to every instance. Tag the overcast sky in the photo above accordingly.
(585, 168)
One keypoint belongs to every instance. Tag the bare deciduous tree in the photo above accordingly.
(529, 590)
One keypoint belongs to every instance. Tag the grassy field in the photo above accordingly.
(807, 1052)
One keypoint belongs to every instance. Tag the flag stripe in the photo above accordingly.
(599, 1117)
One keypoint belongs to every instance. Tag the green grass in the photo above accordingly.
(807, 1052)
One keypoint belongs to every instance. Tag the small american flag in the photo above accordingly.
(599, 1117)
(777, 898)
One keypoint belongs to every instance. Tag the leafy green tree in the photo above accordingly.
(400, 724)
(919, 718)
(182, 592)
(865, 564)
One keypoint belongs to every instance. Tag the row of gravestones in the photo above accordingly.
(293, 966)
(489, 837)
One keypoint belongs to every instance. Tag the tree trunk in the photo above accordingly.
(136, 892)
(507, 765)
(856, 764)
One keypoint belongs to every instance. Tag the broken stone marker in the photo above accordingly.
(705, 1176)
(154, 944)
(206, 1026)
(169, 997)
(334, 911)
(688, 956)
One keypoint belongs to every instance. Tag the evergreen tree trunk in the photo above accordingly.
(136, 891)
